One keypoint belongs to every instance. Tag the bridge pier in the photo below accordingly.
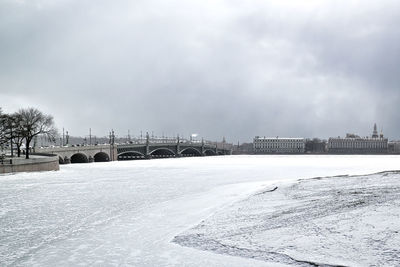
(147, 154)
(67, 160)
(178, 148)
(91, 159)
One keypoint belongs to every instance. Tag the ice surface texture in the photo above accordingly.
(339, 221)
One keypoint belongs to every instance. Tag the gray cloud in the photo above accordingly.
(219, 68)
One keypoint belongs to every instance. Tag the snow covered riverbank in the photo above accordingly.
(128, 213)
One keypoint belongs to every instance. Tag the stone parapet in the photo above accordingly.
(34, 164)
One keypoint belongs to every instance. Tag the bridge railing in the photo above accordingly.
(162, 140)
(155, 140)
(143, 141)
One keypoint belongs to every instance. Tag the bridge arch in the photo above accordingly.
(190, 152)
(209, 152)
(101, 157)
(79, 158)
(162, 152)
(130, 155)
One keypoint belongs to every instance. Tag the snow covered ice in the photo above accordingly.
(146, 213)
(335, 221)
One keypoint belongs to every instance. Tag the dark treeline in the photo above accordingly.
(23, 126)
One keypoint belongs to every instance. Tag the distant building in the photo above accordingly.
(394, 147)
(315, 146)
(267, 145)
(354, 144)
(244, 148)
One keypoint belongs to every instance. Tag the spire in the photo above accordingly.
(375, 133)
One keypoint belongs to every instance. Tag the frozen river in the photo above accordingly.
(127, 213)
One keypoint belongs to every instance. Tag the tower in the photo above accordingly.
(375, 133)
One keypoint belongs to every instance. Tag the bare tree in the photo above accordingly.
(33, 122)
(3, 138)
(7, 127)
(18, 131)
(12, 131)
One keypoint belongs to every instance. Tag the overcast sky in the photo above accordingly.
(217, 68)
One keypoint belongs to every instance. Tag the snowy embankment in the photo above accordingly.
(338, 221)
(127, 213)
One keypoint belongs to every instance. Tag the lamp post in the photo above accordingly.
(112, 140)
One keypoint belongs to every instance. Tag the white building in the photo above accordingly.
(353, 144)
(270, 145)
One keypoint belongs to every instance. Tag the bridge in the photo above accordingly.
(137, 149)
(80, 154)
